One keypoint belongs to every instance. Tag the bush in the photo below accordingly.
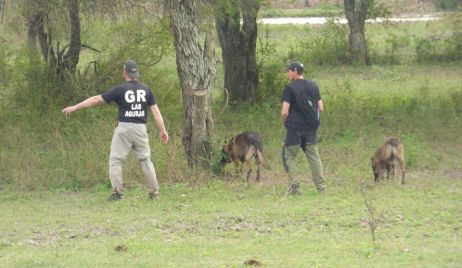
(327, 47)
(447, 4)
(271, 67)
(272, 81)
(391, 48)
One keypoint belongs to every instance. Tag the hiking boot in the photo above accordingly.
(115, 197)
(153, 195)
(295, 189)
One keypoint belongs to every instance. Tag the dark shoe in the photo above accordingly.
(153, 195)
(295, 189)
(115, 197)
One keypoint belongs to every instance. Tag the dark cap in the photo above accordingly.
(132, 69)
(296, 66)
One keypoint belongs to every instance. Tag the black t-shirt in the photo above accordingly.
(303, 96)
(133, 99)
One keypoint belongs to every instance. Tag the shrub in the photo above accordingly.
(326, 47)
(447, 4)
(390, 49)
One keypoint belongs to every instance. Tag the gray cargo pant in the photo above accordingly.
(129, 136)
(293, 142)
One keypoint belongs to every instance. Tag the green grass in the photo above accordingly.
(324, 10)
(291, 8)
(224, 224)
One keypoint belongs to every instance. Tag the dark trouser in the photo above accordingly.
(293, 141)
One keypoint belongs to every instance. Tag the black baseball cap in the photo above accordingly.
(132, 69)
(296, 66)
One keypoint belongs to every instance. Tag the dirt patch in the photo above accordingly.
(432, 174)
(453, 174)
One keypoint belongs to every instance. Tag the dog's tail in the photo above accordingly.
(262, 159)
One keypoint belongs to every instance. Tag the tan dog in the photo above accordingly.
(383, 160)
(241, 150)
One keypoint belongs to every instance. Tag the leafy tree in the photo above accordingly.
(195, 65)
(356, 12)
(63, 59)
(238, 44)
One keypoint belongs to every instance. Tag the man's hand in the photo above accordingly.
(68, 110)
(164, 136)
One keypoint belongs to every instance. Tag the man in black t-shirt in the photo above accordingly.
(300, 114)
(133, 99)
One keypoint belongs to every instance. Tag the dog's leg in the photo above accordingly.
(258, 173)
(257, 162)
(236, 168)
(390, 169)
(248, 175)
(382, 171)
(249, 170)
(403, 171)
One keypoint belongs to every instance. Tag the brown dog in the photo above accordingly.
(241, 149)
(383, 160)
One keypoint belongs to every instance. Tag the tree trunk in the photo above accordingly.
(71, 58)
(196, 71)
(36, 30)
(238, 47)
(356, 20)
(62, 61)
(32, 29)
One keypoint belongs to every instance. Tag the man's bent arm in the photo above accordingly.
(160, 123)
(320, 106)
(285, 111)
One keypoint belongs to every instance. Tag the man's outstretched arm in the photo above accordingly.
(90, 102)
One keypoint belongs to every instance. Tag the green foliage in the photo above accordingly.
(145, 41)
(447, 4)
(454, 41)
(392, 43)
(442, 45)
(6, 72)
(327, 46)
(377, 10)
(272, 79)
(321, 10)
(389, 49)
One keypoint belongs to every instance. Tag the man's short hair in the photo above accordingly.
(297, 67)
(132, 69)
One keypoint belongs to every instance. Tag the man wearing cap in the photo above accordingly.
(300, 114)
(133, 99)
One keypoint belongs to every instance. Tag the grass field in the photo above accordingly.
(225, 224)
